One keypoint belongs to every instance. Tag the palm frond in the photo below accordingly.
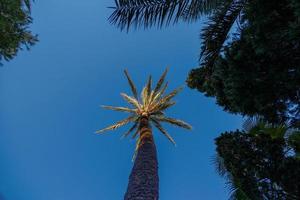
(157, 95)
(218, 161)
(147, 92)
(149, 85)
(169, 96)
(236, 191)
(215, 33)
(164, 100)
(163, 107)
(135, 133)
(251, 122)
(161, 129)
(197, 8)
(173, 121)
(135, 125)
(160, 81)
(137, 146)
(131, 100)
(122, 109)
(144, 96)
(132, 86)
(118, 124)
(27, 4)
(148, 13)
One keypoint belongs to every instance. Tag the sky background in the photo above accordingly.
(50, 97)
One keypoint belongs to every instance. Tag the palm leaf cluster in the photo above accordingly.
(152, 104)
(148, 13)
(216, 31)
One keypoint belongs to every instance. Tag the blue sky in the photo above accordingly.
(50, 101)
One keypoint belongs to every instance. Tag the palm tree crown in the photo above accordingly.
(151, 105)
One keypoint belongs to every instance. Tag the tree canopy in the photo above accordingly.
(14, 28)
(258, 72)
(261, 163)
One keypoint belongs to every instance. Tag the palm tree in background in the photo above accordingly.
(144, 112)
(148, 13)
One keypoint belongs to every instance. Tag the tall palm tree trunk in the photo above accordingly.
(143, 180)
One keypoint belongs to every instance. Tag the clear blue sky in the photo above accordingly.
(50, 97)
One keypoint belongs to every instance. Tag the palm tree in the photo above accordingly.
(144, 112)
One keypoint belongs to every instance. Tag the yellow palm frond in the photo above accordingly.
(137, 146)
(165, 99)
(164, 132)
(121, 109)
(131, 100)
(160, 81)
(132, 86)
(119, 124)
(173, 121)
(158, 94)
(148, 87)
(144, 96)
(164, 106)
(171, 95)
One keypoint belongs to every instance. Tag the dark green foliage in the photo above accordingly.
(258, 73)
(14, 31)
(215, 33)
(148, 13)
(260, 164)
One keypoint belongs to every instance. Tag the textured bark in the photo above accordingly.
(143, 180)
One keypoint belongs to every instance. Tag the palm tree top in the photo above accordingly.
(151, 105)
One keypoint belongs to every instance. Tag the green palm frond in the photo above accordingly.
(215, 33)
(132, 86)
(161, 129)
(121, 109)
(173, 121)
(131, 100)
(27, 4)
(118, 124)
(148, 13)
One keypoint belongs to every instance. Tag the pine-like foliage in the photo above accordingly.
(14, 31)
(152, 104)
(258, 73)
(261, 162)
